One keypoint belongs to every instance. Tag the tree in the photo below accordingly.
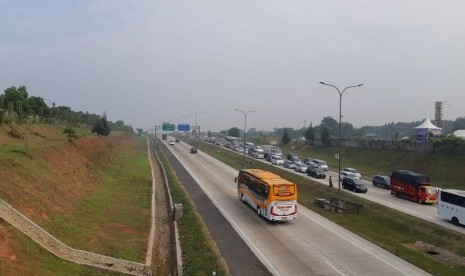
(139, 131)
(101, 126)
(234, 132)
(70, 133)
(329, 122)
(310, 134)
(449, 144)
(459, 123)
(285, 139)
(325, 136)
(347, 130)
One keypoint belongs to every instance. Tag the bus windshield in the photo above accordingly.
(429, 190)
(284, 190)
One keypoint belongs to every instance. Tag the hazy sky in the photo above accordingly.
(147, 62)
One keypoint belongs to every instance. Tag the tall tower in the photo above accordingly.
(438, 114)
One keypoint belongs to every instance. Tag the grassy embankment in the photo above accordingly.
(93, 194)
(444, 170)
(390, 229)
(199, 252)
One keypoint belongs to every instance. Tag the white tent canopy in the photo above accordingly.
(427, 125)
(423, 131)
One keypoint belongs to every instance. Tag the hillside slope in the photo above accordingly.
(77, 191)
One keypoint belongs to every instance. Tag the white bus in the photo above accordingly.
(451, 205)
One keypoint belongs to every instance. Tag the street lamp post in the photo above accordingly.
(245, 123)
(339, 139)
(197, 129)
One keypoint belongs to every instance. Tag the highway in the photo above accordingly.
(310, 245)
(427, 212)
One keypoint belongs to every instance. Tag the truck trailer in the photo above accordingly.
(414, 186)
(271, 150)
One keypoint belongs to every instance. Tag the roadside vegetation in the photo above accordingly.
(390, 229)
(444, 169)
(200, 254)
(92, 194)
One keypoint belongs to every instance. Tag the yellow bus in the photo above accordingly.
(273, 197)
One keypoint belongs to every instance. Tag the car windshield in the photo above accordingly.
(352, 170)
(358, 182)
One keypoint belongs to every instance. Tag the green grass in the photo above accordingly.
(444, 170)
(198, 255)
(388, 228)
(114, 219)
(34, 260)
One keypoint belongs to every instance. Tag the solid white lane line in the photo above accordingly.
(255, 249)
(354, 243)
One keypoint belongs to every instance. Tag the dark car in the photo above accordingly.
(289, 164)
(293, 157)
(381, 181)
(308, 160)
(316, 172)
(193, 150)
(354, 184)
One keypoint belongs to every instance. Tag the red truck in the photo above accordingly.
(414, 186)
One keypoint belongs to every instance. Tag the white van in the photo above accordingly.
(277, 160)
(321, 163)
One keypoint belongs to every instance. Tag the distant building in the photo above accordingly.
(425, 130)
(460, 133)
(372, 136)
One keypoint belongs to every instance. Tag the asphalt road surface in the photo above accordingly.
(309, 245)
(382, 196)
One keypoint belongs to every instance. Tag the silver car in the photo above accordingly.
(354, 171)
(301, 167)
(277, 160)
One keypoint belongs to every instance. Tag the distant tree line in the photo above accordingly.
(329, 129)
(16, 106)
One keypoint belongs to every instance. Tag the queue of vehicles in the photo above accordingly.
(402, 183)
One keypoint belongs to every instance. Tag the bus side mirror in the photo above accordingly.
(235, 180)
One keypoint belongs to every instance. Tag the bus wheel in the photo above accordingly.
(259, 211)
(420, 201)
(455, 221)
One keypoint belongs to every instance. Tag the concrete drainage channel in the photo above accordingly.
(59, 249)
(177, 209)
